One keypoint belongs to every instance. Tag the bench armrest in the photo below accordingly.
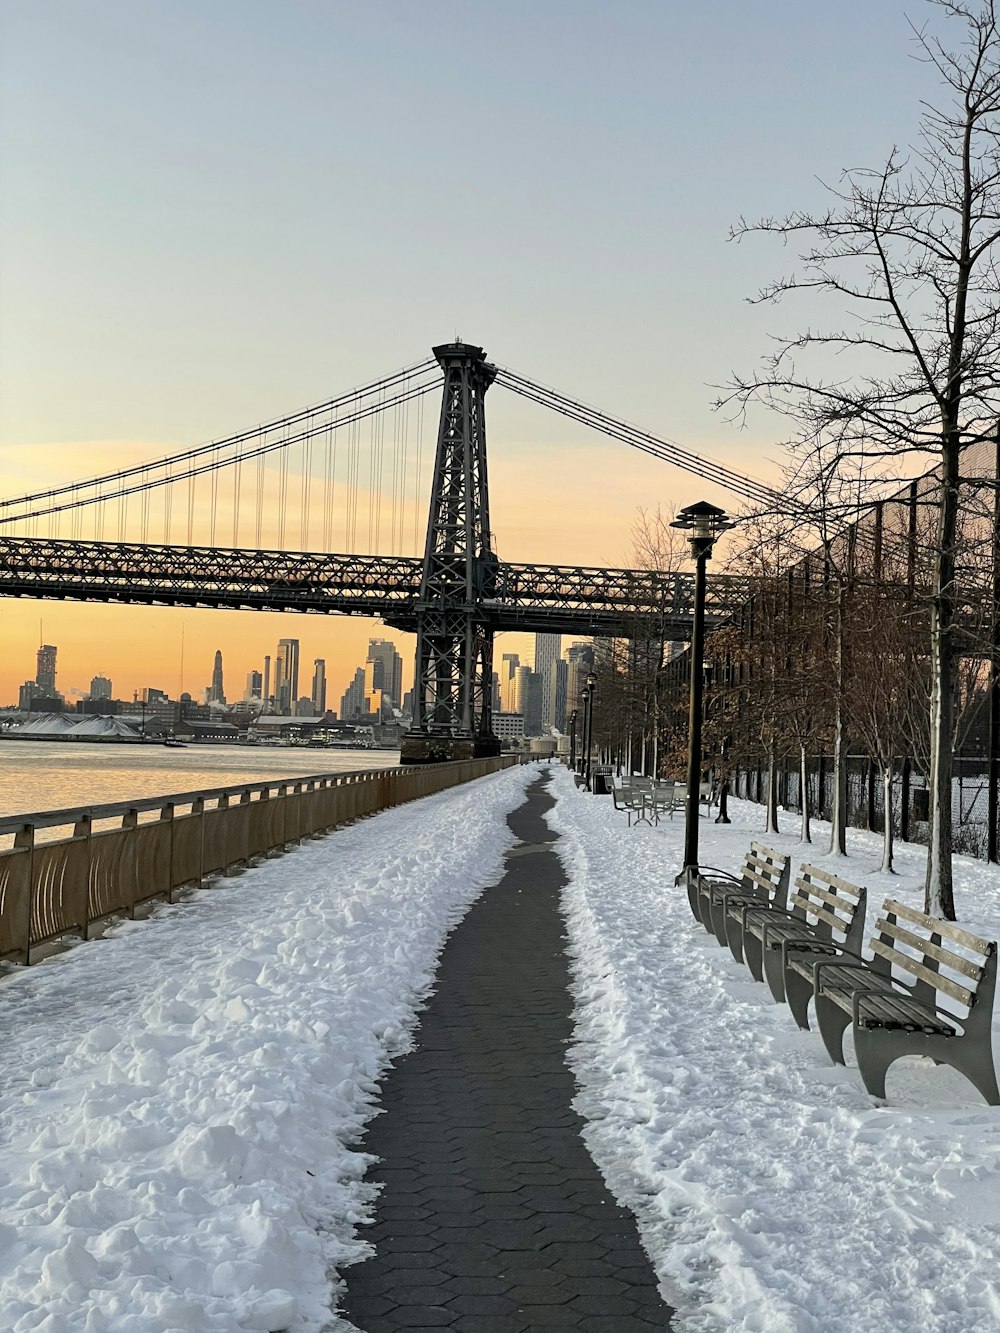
(702, 871)
(861, 963)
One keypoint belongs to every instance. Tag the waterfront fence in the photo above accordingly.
(115, 858)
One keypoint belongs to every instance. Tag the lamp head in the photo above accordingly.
(591, 680)
(704, 523)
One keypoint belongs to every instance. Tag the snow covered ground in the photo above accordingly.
(178, 1099)
(772, 1193)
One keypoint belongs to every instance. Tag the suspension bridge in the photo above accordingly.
(155, 533)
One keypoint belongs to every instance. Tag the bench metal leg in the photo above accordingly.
(734, 936)
(705, 908)
(832, 1023)
(977, 1066)
(773, 972)
(798, 993)
(719, 919)
(876, 1049)
(753, 955)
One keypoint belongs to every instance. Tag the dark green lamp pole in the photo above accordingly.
(703, 523)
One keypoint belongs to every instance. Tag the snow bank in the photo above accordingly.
(772, 1193)
(179, 1099)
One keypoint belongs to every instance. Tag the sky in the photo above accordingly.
(211, 215)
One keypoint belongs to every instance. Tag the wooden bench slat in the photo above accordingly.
(832, 919)
(917, 969)
(894, 1009)
(834, 895)
(955, 961)
(816, 873)
(946, 928)
(765, 881)
(811, 900)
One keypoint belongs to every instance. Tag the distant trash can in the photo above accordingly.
(602, 781)
(920, 804)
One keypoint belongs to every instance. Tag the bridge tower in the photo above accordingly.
(453, 682)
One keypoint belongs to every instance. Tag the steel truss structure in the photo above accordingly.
(455, 599)
(453, 680)
(544, 599)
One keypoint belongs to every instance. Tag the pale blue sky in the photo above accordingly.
(214, 212)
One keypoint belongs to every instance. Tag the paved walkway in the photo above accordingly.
(493, 1218)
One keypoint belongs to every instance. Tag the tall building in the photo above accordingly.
(28, 691)
(531, 704)
(100, 688)
(265, 689)
(547, 647)
(319, 686)
(255, 684)
(508, 675)
(580, 660)
(558, 676)
(286, 675)
(521, 677)
(387, 670)
(216, 691)
(45, 673)
(352, 704)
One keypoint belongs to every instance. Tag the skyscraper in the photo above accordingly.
(386, 670)
(255, 683)
(580, 659)
(508, 675)
(558, 673)
(352, 704)
(265, 689)
(286, 675)
(45, 672)
(547, 648)
(100, 688)
(319, 686)
(216, 692)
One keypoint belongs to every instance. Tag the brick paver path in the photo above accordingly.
(494, 1218)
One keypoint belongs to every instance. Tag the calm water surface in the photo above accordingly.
(55, 775)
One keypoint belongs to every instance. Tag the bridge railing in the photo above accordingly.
(65, 872)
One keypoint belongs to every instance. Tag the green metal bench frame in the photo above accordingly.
(892, 1018)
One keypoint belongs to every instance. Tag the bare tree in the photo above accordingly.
(908, 254)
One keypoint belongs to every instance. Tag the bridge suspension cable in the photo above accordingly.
(755, 492)
(347, 409)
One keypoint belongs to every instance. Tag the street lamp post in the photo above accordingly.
(572, 741)
(587, 695)
(703, 523)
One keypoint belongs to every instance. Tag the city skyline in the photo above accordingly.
(135, 325)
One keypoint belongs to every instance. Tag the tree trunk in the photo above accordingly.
(771, 824)
(886, 868)
(838, 806)
(939, 897)
(805, 833)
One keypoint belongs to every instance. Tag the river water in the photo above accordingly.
(57, 775)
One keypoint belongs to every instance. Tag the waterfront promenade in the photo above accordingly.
(491, 1216)
(190, 1104)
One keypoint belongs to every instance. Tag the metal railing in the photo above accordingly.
(68, 884)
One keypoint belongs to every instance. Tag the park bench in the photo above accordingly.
(928, 990)
(763, 879)
(823, 909)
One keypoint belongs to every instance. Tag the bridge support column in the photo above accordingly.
(453, 682)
